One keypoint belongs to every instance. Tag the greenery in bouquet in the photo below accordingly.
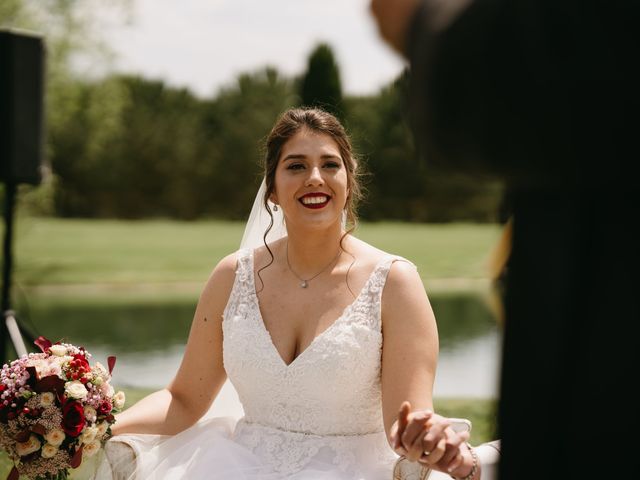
(55, 410)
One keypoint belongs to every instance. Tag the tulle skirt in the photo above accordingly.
(220, 448)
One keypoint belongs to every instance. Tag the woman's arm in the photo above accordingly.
(410, 346)
(201, 374)
(409, 358)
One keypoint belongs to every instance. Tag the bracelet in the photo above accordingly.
(474, 467)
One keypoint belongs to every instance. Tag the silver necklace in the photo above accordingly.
(304, 282)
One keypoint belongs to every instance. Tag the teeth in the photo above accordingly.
(314, 200)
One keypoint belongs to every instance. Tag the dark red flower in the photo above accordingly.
(72, 418)
(43, 343)
(50, 383)
(14, 474)
(111, 361)
(76, 460)
(104, 408)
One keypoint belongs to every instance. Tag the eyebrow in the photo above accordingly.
(302, 156)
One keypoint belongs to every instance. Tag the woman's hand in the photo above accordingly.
(428, 438)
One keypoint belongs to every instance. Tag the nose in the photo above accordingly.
(315, 177)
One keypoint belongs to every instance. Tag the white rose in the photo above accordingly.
(90, 449)
(118, 400)
(88, 434)
(102, 429)
(58, 350)
(76, 390)
(47, 399)
(99, 371)
(30, 446)
(90, 413)
(106, 390)
(55, 437)
(49, 450)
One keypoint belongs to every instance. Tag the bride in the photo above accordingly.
(330, 343)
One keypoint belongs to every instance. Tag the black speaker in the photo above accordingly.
(21, 106)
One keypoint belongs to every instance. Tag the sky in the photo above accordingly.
(205, 44)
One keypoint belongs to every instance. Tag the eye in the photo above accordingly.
(332, 164)
(295, 166)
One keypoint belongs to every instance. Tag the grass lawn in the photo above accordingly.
(52, 251)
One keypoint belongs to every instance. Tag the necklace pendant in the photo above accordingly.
(304, 284)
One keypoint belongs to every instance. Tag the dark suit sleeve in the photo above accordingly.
(533, 90)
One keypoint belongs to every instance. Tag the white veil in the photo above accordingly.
(259, 221)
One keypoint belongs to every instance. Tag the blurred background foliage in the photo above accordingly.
(121, 146)
(128, 147)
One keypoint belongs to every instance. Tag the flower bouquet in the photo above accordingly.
(55, 409)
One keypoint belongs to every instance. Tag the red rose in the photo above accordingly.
(104, 408)
(72, 418)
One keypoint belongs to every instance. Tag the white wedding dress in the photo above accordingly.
(317, 418)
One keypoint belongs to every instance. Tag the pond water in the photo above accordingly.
(148, 336)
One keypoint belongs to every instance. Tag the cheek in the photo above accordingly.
(281, 186)
(344, 182)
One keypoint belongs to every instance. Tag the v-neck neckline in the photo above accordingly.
(263, 326)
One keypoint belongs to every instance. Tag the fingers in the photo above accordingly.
(429, 439)
(452, 446)
(408, 431)
(414, 449)
(434, 435)
(412, 439)
(403, 417)
(458, 461)
(401, 425)
(415, 432)
(455, 463)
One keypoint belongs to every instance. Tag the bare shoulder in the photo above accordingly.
(402, 270)
(366, 254)
(404, 293)
(403, 274)
(220, 282)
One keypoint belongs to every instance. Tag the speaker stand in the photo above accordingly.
(10, 325)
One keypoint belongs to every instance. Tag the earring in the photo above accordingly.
(275, 207)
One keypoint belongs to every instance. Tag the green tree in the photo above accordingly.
(320, 85)
(237, 122)
(169, 153)
(402, 185)
(144, 159)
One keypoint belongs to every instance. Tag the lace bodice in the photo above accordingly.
(329, 393)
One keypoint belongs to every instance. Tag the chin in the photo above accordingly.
(324, 223)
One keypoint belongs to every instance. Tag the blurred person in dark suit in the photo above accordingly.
(544, 94)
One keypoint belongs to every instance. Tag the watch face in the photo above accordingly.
(460, 425)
